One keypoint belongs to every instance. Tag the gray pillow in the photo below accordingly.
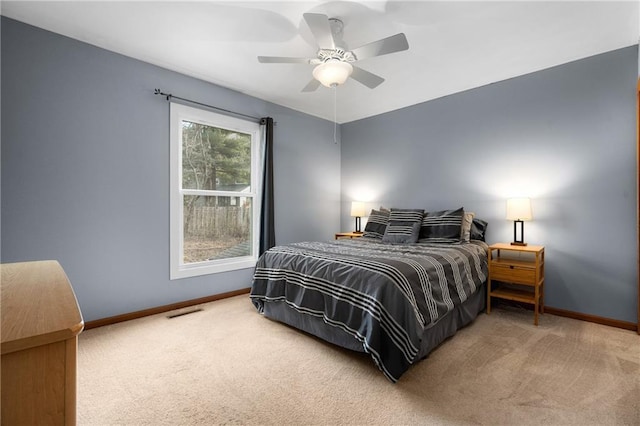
(404, 226)
(442, 226)
(376, 224)
(478, 229)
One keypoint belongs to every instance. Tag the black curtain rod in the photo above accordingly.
(169, 96)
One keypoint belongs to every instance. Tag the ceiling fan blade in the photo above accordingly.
(319, 26)
(395, 43)
(311, 86)
(283, 60)
(365, 77)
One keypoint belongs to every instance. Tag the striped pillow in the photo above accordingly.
(442, 226)
(376, 224)
(404, 226)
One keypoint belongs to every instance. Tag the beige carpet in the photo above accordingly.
(229, 365)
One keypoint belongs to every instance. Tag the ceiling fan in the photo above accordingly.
(334, 63)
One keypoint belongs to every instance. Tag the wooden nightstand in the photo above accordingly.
(519, 271)
(348, 235)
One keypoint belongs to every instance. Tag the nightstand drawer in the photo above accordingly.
(513, 274)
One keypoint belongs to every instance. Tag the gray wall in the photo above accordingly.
(85, 170)
(564, 136)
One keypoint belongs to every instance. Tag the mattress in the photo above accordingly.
(395, 302)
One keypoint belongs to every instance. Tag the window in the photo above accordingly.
(214, 192)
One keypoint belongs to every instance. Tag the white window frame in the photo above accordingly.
(178, 113)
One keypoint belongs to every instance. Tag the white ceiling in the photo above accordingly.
(453, 46)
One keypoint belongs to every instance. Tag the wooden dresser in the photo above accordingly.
(40, 326)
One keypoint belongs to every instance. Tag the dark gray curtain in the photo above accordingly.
(267, 229)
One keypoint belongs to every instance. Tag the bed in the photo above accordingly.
(395, 300)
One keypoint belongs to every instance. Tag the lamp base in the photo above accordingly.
(518, 237)
(358, 226)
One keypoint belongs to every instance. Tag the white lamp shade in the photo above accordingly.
(332, 72)
(519, 209)
(357, 209)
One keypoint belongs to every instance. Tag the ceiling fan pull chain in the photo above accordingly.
(335, 114)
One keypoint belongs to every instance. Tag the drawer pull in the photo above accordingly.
(510, 266)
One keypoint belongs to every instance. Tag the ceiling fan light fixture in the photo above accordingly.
(332, 72)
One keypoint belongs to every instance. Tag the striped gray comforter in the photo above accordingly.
(384, 295)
